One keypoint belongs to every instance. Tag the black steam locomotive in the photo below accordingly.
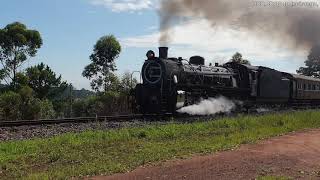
(163, 77)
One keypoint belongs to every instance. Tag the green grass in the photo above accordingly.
(108, 152)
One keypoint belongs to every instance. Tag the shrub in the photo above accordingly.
(109, 103)
(31, 109)
(10, 103)
(35, 108)
(46, 110)
(61, 107)
(87, 107)
(30, 106)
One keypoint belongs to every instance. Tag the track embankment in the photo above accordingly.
(106, 152)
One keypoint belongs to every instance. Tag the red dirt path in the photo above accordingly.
(296, 155)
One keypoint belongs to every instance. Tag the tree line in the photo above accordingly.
(37, 92)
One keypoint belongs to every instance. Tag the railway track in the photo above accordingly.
(119, 118)
(23, 130)
(131, 117)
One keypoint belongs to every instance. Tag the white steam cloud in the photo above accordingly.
(210, 106)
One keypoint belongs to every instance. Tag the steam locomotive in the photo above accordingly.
(163, 77)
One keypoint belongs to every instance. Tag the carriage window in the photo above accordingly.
(304, 87)
(313, 87)
(309, 86)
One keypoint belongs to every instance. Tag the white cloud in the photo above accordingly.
(218, 44)
(126, 5)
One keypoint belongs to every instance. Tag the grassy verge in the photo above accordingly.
(108, 152)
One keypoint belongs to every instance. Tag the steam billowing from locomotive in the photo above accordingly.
(295, 24)
(209, 106)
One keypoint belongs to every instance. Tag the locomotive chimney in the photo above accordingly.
(163, 52)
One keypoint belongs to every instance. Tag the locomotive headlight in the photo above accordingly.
(152, 72)
(150, 55)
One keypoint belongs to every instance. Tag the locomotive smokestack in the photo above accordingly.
(163, 52)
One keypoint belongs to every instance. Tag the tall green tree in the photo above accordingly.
(312, 63)
(44, 82)
(105, 52)
(17, 43)
(237, 58)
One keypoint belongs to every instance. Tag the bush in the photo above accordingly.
(31, 109)
(22, 105)
(109, 103)
(35, 108)
(61, 107)
(46, 110)
(87, 107)
(10, 103)
(30, 106)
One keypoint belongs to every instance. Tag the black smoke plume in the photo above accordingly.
(294, 26)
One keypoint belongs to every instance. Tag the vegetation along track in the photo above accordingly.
(141, 117)
(20, 130)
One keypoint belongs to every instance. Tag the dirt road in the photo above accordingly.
(296, 155)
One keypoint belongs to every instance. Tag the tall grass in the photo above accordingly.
(114, 151)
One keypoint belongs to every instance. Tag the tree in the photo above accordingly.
(17, 43)
(105, 52)
(237, 58)
(21, 80)
(312, 63)
(44, 82)
(127, 82)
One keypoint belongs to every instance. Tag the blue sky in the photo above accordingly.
(70, 28)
